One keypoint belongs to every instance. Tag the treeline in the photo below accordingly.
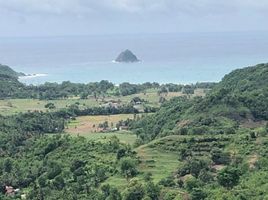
(12, 88)
(74, 110)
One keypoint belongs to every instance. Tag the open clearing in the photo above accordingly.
(158, 162)
(13, 106)
(126, 137)
(89, 124)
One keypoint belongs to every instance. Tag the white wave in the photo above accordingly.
(114, 61)
(29, 76)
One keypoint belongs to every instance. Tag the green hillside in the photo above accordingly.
(240, 97)
(6, 70)
(221, 139)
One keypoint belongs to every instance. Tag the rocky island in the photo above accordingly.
(127, 56)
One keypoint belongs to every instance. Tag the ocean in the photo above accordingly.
(166, 58)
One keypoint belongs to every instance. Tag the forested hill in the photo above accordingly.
(241, 96)
(247, 87)
(6, 70)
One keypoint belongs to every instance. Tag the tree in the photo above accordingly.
(167, 182)
(219, 157)
(110, 193)
(135, 191)
(50, 106)
(120, 153)
(114, 195)
(147, 176)
(193, 167)
(152, 190)
(198, 194)
(191, 183)
(162, 99)
(42, 181)
(84, 95)
(53, 170)
(128, 167)
(59, 182)
(228, 177)
(8, 165)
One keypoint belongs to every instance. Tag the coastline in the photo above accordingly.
(29, 76)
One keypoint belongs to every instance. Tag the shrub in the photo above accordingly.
(228, 177)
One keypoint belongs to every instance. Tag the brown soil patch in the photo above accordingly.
(252, 161)
(218, 167)
(252, 124)
(90, 124)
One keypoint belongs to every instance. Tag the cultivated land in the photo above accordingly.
(158, 162)
(90, 124)
(87, 126)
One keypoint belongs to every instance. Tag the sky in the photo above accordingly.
(26, 18)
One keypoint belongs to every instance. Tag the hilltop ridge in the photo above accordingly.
(6, 70)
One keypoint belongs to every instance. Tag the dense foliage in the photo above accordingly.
(221, 139)
(220, 142)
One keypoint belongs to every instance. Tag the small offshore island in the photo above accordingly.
(127, 57)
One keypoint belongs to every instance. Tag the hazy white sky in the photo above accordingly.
(79, 17)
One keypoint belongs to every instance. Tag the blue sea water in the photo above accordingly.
(176, 58)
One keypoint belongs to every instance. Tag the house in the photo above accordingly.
(10, 191)
(123, 128)
(111, 105)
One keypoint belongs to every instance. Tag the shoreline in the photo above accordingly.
(29, 76)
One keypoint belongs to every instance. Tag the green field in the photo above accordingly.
(87, 126)
(158, 162)
(126, 137)
(13, 106)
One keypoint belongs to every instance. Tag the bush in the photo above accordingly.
(167, 182)
(128, 167)
(228, 177)
(135, 191)
(191, 183)
(220, 157)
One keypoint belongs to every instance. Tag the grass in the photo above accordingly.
(158, 162)
(13, 106)
(86, 125)
(126, 137)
